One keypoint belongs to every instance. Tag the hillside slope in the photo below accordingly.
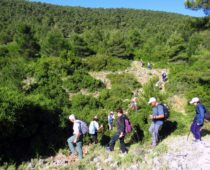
(173, 153)
(56, 61)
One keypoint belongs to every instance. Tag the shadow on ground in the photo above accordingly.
(167, 128)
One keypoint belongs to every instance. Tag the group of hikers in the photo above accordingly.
(158, 116)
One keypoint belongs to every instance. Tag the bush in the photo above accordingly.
(101, 62)
(82, 80)
(118, 96)
(126, 80)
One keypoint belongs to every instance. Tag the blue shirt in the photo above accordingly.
(200, 112)
(158, 110)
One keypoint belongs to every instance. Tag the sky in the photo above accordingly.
(175, 6)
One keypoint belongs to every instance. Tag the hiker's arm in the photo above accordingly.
(76, 132)
(97, 126)
(122, 127)
(161, 116)
(77, 135)
(160, 113)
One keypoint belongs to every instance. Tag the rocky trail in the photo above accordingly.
(142, 74)
(184, 153)
(173, 153)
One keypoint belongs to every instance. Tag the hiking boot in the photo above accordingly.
(73, 154)
(126, 151)
(196, 140)
(108, 149)
(153, 145)
(123, 154)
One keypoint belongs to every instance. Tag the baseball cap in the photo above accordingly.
(194, 100)
(152, 99)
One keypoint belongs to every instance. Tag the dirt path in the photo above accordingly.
(103, 77)
(142, 75)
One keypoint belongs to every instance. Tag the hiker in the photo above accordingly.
(164, 76)
(141, 63)
(111, 118)
(93, 129)
(120, 134)
(198, 119)
(77, 138)
(133, 104)
(149, 66)
(157, 119)
(159, 84)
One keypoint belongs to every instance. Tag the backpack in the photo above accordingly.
(128, 126)
(165, 110)
(207, 114)
(83, 127)
(92, 128)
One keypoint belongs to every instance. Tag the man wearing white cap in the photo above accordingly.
(77, 138)
(198, 119)
(157, 119)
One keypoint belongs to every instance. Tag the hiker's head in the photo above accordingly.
(195, 101)
(119, 112)
(111, 113)
(95, 118)
(72, 118)
(152, 101)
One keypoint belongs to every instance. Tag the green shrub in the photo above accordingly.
(126, 80)
(117, 97)
(101, 62)
(82, 80)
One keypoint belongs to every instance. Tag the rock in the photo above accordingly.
(135, 167)
(108, 159)
(114, 165)
(96, 159)
(30, 166)
(174, 165)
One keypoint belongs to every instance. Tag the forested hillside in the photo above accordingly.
(47, 53)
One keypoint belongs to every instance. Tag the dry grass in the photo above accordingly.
(178, 103)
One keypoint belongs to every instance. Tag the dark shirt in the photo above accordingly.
(121, 124)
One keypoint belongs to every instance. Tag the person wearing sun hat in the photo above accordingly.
(198, 121)
(93, 129)
(157, 118)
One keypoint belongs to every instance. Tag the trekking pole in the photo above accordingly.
(188, 134)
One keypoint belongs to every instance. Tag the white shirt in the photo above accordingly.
(76, 127)
(94, 126)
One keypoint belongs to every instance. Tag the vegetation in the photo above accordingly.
(47, 51)
(199, 4)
